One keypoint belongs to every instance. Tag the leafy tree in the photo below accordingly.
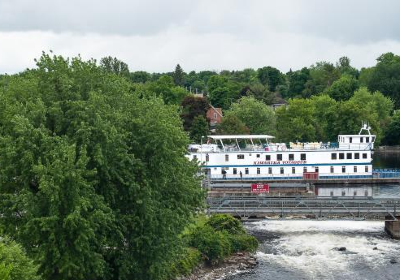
(140, 77)
(297, 121)
(270, 76)
(297, 81)
(191, 108)
(114, 65)
(257, 116)
(386, 77)
(164, 87)
(322, 75)
(343, 65)
(14, 264)
(199, 128)
(343, 88)
(232, 125)
(259, 92)
(179, 76)
(392, 136)
(94, 182)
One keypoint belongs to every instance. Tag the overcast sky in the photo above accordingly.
(155, 35)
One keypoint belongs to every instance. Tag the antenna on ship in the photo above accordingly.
(365, 126)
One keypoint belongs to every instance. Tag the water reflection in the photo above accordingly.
(386, 160)
(368, 191)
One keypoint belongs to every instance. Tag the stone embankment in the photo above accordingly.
(239, 262)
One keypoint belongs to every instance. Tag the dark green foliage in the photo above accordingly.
(94, 182)
(270, 76)
(179, 76)
(140, 77)
(297, 82)
(386, 77)
(199, 128)
(221, 222)
(192, 107)
(322, 75)
(392, 136)
(14, 264)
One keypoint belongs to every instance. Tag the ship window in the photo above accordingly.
(366, 168)
(258, 155)
(366, 139)
(258, 170)
(234, 171)
(349, 156)
(291, 156)
(334, 156)
(194, 156)
(240, 156)
(279, 157)
(268, 157)
(282, 171)
(332, 169)
(362, 140)
(365, 155)
(343, 169)
(269, 170)
(226, 157)
(207, 157)
(351, 139)
(341, 155)
(317, 169)
(304, 169)
(356, 155)
(246, 171)
(355, 169)
(303, 157)
(293, 170)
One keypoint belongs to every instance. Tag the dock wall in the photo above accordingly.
(393, 228)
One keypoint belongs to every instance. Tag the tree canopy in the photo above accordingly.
(94, 182)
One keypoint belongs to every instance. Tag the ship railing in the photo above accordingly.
(296, 147)
(386, 173)
(298, 176)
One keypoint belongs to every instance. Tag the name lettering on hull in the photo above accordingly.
(270, 162)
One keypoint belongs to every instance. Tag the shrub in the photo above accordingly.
(222, 222)
(186, 262)
(214, 245)
(243, 242)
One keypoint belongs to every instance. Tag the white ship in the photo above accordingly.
(257, 157)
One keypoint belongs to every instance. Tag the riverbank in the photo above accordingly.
(235, 264)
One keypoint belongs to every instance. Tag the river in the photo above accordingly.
(292, 250)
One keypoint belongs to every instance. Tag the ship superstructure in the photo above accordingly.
(257, 157)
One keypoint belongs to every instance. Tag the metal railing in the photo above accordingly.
(322, 208)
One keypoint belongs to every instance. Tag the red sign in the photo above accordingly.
(260, 188)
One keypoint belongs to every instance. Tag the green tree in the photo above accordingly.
(179, 76)
(386, 77)
(231, 125)
(257, 116)
(392, 136)
(192, 107)
(164, 87)
(199, 128)
(140, 77)
(322, 75)
(94, 182)
(270, 76)
(343, 88)
(14, 264)
(297, 82)
(114, 65)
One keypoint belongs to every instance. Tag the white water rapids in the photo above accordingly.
(309, 250)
